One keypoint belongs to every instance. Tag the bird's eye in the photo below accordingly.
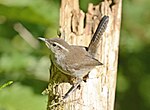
(54, 45)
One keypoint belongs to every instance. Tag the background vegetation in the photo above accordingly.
(25, 61)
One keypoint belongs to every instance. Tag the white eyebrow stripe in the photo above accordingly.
(61, 46)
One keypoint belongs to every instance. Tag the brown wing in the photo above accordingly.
(80, 58)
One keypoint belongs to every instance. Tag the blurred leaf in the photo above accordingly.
(6, 84)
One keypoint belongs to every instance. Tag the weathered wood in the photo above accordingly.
(77, 28)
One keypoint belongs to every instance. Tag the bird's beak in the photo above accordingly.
(45, 40)
(42, 39)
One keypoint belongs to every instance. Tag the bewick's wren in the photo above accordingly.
(70, 59)
(74, 60)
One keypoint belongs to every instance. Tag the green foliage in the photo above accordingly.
(28, 66)
(33, 11)
(19, 97)
(133, 85)
(19, 61)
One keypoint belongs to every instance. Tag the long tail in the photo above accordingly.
(97, 35)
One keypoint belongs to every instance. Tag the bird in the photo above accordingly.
(74, 60)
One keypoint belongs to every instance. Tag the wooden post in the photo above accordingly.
(77, 28)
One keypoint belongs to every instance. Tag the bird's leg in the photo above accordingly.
(72, 89)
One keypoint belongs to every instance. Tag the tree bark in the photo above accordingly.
(77, 28)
